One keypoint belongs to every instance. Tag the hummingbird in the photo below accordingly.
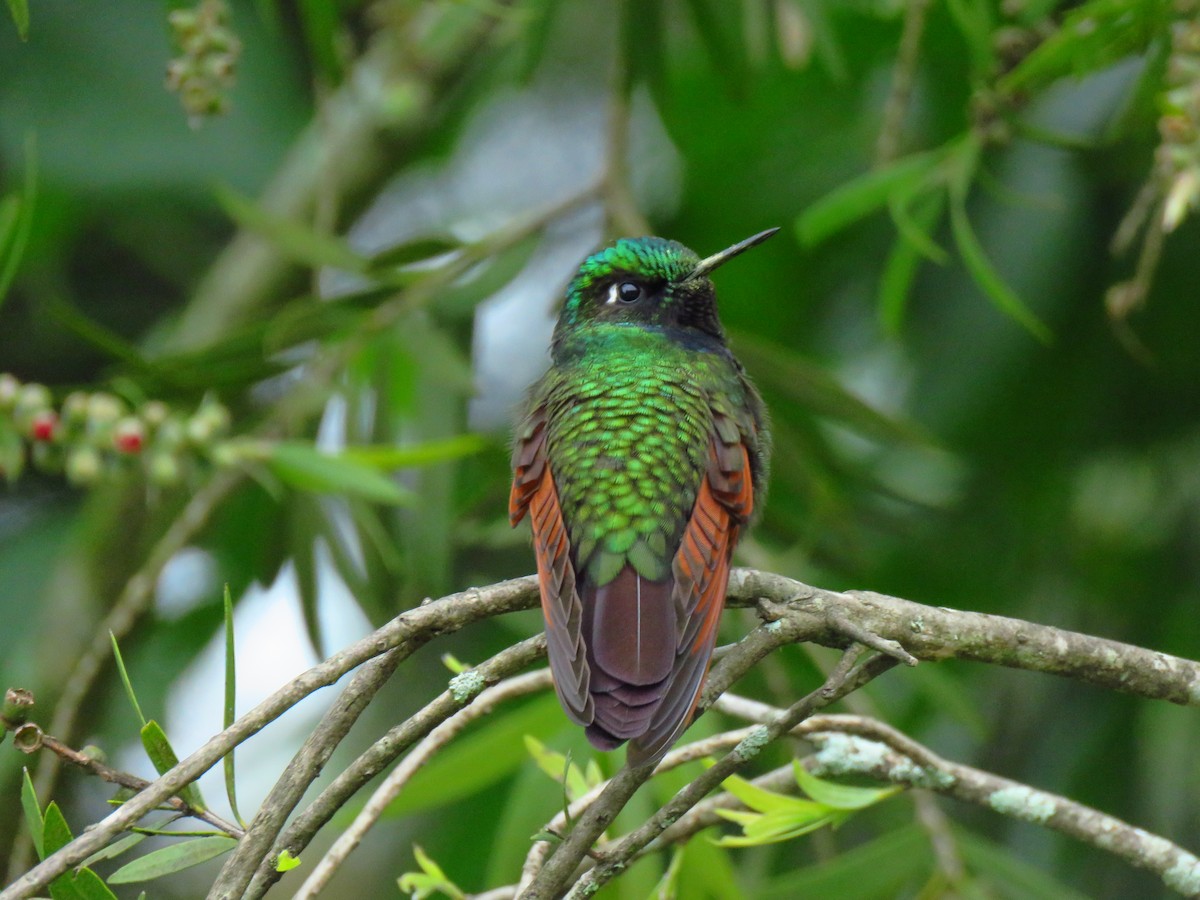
(640, 457)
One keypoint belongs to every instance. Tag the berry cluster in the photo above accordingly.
(91, 436)
(204, 71)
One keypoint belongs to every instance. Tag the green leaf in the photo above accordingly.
(163, 758)
(383, 456)
(723, 42)
(559, 767)
(840, 796)
(20, 17)
(481, 758)
(864, 195)
(974, 20)
(115, 849)
(230, 707)
(133, 701)
(896, 283)
(56, 834)
(90, 886)
(305, 467)
(775, 827)
(643, 45)
(285, 862)
(298, 242)
(1092, 36)
(760, 799)
(975, 259)
(429, 880)
(320, 21)
(172, 859)
(33, 813)
(414, 251)
(13, 244)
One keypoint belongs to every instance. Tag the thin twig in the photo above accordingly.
(349, 839)
(887, 146)
(29, 738)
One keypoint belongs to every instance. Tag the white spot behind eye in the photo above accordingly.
(613, 294)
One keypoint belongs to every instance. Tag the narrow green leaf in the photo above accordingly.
(125, 679)
(90, 886)
(430, 880)
(643, 45)
(304, 466)
(10, 255)
(305, 523)
(898, 274)
(20, 17)
(172, 859)
(414, 251)
(864, 195)
(230, 710)
(773, 828)
(33, 813)
(103, 339)
(840, 796)
(461, 298)
(383, 456)
(916, 229)
(723, 42)
(1092, 36)
(974, 20)
(761, 800)
(320, 21)
(115, 849)
(298, 242)
(980, 267)
(163, 758)
(56, 834)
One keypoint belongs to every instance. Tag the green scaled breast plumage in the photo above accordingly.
(640, 457)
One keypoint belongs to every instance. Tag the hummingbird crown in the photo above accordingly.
(646, 281)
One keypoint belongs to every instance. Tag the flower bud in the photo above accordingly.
(84, 466)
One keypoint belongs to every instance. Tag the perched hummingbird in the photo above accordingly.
(640, 457)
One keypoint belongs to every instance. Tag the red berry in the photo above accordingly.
(44, 425)
(129, 436)
(131, 442)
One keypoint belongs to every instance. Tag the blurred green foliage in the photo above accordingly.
(977, 402)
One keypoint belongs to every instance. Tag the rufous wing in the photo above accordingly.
(534, 492)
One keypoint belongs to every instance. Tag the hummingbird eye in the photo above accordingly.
(626, 292)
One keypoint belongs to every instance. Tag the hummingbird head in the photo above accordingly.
(648, 281)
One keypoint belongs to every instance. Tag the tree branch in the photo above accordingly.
(795, 612)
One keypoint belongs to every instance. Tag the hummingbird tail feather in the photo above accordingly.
(629, 631)
(701, 570)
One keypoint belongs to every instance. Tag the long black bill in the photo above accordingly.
(709, 263)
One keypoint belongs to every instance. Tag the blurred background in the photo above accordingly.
(346, 226)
